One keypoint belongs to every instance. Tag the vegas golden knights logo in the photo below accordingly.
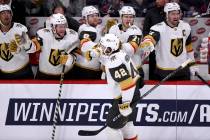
(54, 58)
(5, 54)
(177, 46)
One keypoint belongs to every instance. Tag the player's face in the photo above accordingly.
(174, 17)
(6, 17)
(93, 20)
(127, 20)
(60, 30)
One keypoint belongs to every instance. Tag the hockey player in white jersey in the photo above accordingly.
(123, 80)
(88, 67)
(14, 47)
(172, 41)
(130, 35)
(56, 45)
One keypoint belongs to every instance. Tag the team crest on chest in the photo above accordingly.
(5, 54)
(176, 46)
(54, 57)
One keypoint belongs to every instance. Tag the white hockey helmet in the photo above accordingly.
(173, 6)
(5, 7)
(127, 10)
(109, 43)
(58, 19)
(89, 10)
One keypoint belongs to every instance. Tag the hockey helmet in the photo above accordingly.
(109, 43)
(58, 19)
(89, 10)
(5, 7)
(173, 6)
(127, 10)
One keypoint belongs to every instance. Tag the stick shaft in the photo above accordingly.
(202, 79)
(55, 116)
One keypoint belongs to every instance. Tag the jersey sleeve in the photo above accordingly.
(133, 35)
(188, 43)
(154, 34)
(38, 40)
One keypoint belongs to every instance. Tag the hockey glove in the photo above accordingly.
(93, 53)
(19, 39)
(23, 41)
(125, 109)
(114, 118)
(63, 59)
(13, 47)
(147, 47)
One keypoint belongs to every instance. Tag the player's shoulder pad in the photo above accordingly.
(185, 25)
(87, 32)
(71, 32)
(118, 67)
(44, 33)
(85, 27)
(158, 26)
(134, 30)
(20, 27)
(119, 57)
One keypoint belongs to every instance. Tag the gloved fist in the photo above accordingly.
(18, 39)
(13, 47)
(147, 46)
(125, 109)
(63, 59)
(23, 41)
(93, 53)
(194, 69)
(146, 43)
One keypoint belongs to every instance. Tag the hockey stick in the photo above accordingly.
(55, 116)
(95, 132)
(202, 79)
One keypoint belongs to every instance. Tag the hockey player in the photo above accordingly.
(88, 67)
(56, 46)
(172, 38)
(123, 81)
(130, 35)
(14, 47)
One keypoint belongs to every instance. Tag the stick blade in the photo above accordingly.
(87, 133)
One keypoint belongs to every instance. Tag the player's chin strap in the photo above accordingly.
(187, 63)
(202, 79)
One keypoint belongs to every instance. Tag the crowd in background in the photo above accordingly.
(111, 7)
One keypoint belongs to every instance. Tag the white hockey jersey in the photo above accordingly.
(51, 49)
(128, 36)
(12, 62)
(173, 44)
(121, 74)
(89, 37)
